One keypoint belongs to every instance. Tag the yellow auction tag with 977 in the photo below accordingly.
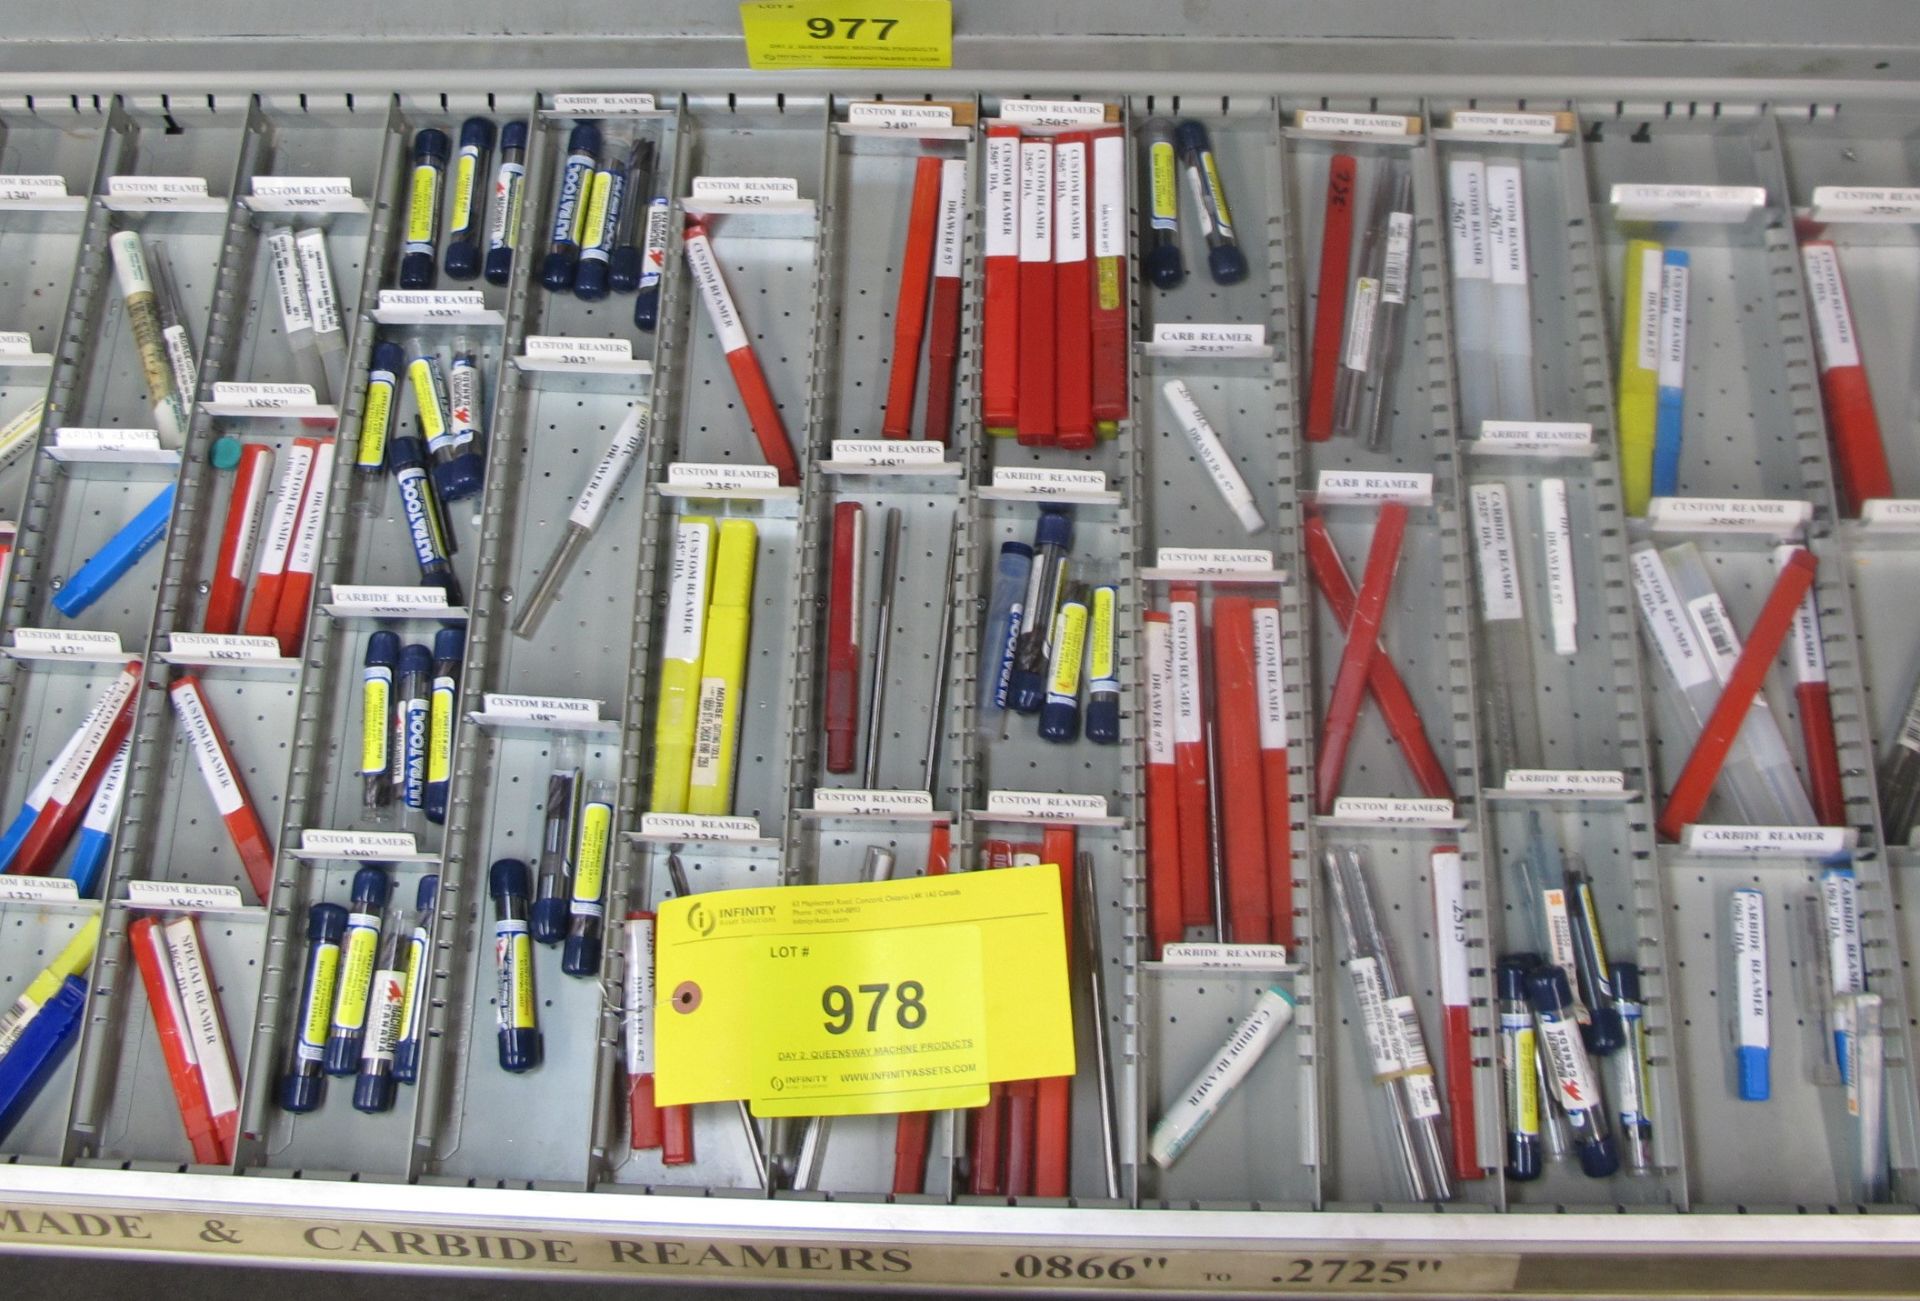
(824, 1000)
(848, 33)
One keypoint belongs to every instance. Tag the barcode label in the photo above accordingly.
(1393, 275)
(1366, 298)
(707, 731)
(1383, 1042)
(1423, 1100)
(1716, 629)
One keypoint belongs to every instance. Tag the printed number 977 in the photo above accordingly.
(909, 1012)
(824, 29)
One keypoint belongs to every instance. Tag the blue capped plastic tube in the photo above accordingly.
(600, 234)
(469, 176)
(376, 719)
(503, 218)
(430, 148)
(1002, 629)
(570, 207)
(412, 712)
(419, 972)
(1046, 582)
(121, 552)
(1103, 667)
(426, 523)
(1060, 714)
(1225, 261)
(449, 644)
(592, 854)
(514, 1015)
(1164, 266)
(374, 1085)
(305, 1082)
(376, 416)
(1519, 1062)
(1631, 1097)
(96, 829)
(347, 1030)
(627, 264)
(39, 1050)
(1570, 1072)
(459, 466)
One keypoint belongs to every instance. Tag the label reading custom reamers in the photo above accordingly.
(208, 754)
(706, 273)
(1268, 678)
(1045, 806)
(1493, 542)
(687, 591)
(1036, 201)
(1367, 808)
(1052, 112)
(1185, 617)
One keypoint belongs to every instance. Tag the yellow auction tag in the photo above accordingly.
(745, 976)
(871, 1023)
(848, 33)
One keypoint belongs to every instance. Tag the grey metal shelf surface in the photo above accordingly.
(1304, 1135)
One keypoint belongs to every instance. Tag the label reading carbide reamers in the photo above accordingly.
(1565, 781)
(1493, 546)
(1748, 939)
(602, 105)
(1371, 486)
(1197, 340)
(1536, 435)
(1803, 842)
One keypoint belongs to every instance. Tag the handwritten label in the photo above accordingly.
(264, 397)
(602, 105)
(1808, 842)
(1687, 202)
(72, 439)
(38, 889)
(875, 802)
(1052, 112)
(888, 452)
(577, 351)
(1858, 203)
(722, 478)
(368, 599)
(1209, 340)
(1355, 124)
(1775, 518)
(1565, 781)
(1504, 124)
(1225, 957)
(1571, 436)
(187, 896)
(221, 646)
(899, 117)
(745, 189)
(1047, 483)
(1045, 806)
(356, 844)
(66, 641)
(541, 709)
(1380, 809)
(1366, 485)
(1214, 560)
(693, 826)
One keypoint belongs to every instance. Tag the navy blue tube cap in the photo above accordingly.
(449, 643)
(429, 891)
(590, 280)
(416, 271)
(326, 923)
(1523, 1158)
(430, 142)
(302, 1093)
(556, 272)
(1548, 989)
(373, 1093)
(1511, 976)
(476, 132)
(1054, 529)
(499, 267)
(1227, 264)
(646, 309)
(1190, 134)
(581, 957)
(370, 889)
(1103, 720)
(462, 258)
(624, 266)
(415, 658)
(1166, 269)
(585, 138)
(1060, 721)
(460, 478)
(390, 357)
(1626, 981)
(433, 803)
(1026, 692)
(513, 136)
(405, 452)
(1020, 549)
(1604, 1032)
(547, 920)
(1599, 1159)
(519, 1050)
(406, 1061)
(509, 877)
(383, 648)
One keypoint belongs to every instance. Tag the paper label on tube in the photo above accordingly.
(602, 105)
(541, 709)
(1506, 224)
(1686, 202)
(1565, 781)
(878, 803)
(1003, 196)
(1036, 201)
(721, 314)
(899, 116)
(1467, 219)
(1159, 638)
(1070, 201)
(1362, 313)
(356, 844)
(1673, 326)
(186, 896)
(1353, 124)
(721, 477)
(1865, 203)
(1052, 112)
(1365, 485)
(694, 826)
(1109, 196)
(1185, 619)
(1556, 536)
(1383, 1044)
(1050, 806)
(1397, 267)
(1803, 639)
(1269, 679)
(1361, 808)
(105, 807)
(264, 397)
(1221, 340)
(365, 599)
(745, 189)
(1748, 939)
(1224, 957)
(38, 889)
(1214, 560)
(1483, 123)
(1777, 518)
(950, 234)
(1807, 842)
(1048, 482)
(1647, 339)
(1666, 623)
(687, 589)
(66, 641)
(1493, 545)
(287, 279)
(208, 756)
(1832, 318)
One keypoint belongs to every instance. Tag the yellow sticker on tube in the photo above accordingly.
(728, 961)
(848, 33)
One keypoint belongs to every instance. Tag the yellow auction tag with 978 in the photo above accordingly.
(822, 1000)
(848, 33)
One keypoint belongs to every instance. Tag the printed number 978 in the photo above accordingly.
(909, 1011)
